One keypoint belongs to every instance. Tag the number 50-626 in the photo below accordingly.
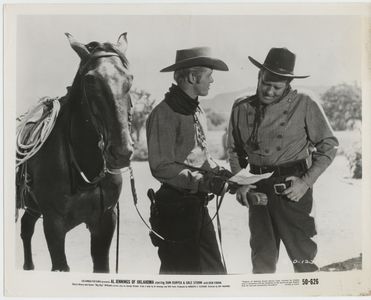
(311, 281)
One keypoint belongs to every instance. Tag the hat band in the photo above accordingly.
(278, 70)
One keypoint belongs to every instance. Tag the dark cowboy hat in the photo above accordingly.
(198, 56)
(279, 61)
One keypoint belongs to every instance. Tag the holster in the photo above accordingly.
(175, 215)
(154, 218)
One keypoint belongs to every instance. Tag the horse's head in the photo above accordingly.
(105, 85)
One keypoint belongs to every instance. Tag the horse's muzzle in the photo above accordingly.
(119, 157)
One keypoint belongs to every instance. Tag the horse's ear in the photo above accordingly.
(122, 42)
(79, 48)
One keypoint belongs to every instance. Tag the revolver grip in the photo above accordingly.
(151, 195)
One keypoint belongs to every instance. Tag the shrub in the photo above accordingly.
(215, 120)
(140, 151)
(342, 105)
(355, 162)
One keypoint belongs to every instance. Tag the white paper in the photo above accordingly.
(244, 177)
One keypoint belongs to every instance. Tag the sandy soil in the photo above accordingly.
(337, 211)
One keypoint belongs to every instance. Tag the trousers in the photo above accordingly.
(190, 245)
(282, 220)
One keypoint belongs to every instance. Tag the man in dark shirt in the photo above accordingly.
(282, 131)
(179, 158)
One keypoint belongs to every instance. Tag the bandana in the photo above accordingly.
(180, 102)
(259, 116)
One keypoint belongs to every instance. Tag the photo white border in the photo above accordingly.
(25, 284)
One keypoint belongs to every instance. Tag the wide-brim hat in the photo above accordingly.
(198, 56)
(279, 61)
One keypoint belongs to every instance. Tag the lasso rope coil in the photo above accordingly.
(27, 147)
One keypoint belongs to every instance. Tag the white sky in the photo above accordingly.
(328, 48)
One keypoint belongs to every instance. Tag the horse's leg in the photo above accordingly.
(28, 221)
(55, 234)
(101, 237)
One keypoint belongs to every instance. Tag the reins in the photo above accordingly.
(135, 199)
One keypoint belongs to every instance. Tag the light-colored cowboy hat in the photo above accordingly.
(279, 61)
(198, 56)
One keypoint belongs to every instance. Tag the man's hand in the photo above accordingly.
(297, 189)
(216, 184)
(224, 173)
(241, 194)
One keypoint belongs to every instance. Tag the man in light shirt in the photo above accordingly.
(285, 132)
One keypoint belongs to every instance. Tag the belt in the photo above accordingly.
(291, 168)
(183, 191)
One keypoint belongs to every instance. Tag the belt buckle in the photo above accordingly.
(279, 188)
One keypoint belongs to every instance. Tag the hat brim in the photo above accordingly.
(202, 61)
(288, 75)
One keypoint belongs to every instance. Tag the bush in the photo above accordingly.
(342, 105)
(215, 121)
(143, 105)
(355, 163)
(140, 151)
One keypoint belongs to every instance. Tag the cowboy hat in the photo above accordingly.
(198, 56)
(279, 61)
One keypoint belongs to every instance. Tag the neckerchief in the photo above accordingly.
(259, 116)
(180, 102)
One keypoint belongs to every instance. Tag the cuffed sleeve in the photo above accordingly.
(231, 146)
(161, 140)
(322, 138)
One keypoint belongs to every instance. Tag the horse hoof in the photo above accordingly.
(62, 269)
(101, 271)
(28, 267)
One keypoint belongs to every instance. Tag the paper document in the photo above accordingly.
(245, 177)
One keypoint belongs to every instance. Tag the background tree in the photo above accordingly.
(215, 120)
(343, 106)
(142, 106)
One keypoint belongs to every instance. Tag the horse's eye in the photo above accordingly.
(91, 46)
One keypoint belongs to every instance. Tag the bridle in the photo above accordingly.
(102, 147)
(100, 132)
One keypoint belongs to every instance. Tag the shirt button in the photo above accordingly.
(285, 112)
(278, 148)
(266, 151)
(280, 136)
(282, 124)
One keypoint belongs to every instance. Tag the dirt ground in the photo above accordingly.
(337, 211)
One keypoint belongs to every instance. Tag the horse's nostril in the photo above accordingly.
(118, 152)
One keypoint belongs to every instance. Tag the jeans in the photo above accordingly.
(190, 245)
(282, 220)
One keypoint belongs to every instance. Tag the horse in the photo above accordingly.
(75, 177)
